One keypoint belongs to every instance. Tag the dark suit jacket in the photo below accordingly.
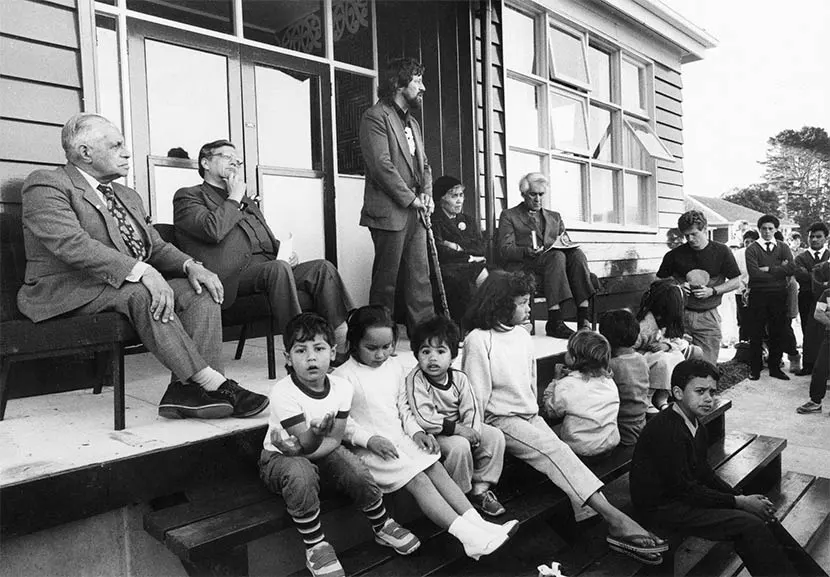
(514, 235)
(208, 227)
(391, 177)
(806, 262)
(73, 247)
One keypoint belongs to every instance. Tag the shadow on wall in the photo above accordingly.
(624, 266)
(10, 190)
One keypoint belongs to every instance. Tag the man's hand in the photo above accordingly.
(452, 245)
(763, 268)
(235, 185)
(703, 292)
(163, 300)
(293, 260)
(200, 276)
(758, 505)
(382, 447)
(426, 442)
(468, 433)
(289, 447)
(477, 259)
(426, 200)
(531, 252)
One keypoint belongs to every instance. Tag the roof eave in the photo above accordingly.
(692, 40)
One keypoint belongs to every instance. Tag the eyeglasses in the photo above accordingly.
(229, 158)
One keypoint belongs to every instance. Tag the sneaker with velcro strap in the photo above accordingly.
(393, 535)
(321, 561)
(487, 503)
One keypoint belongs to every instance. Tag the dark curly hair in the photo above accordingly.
(691, 218)
(666, 301)
(304, 327)
(362, 319)
(438, 328)
(619, 327)
(398, 74)
(494, 301)
(687, 370)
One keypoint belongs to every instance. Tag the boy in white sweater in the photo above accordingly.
(444, 405)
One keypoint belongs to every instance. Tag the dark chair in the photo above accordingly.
(244, 312)
(102, 335)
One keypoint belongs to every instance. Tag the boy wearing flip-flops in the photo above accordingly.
(676, 492)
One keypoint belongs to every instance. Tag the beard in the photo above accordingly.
(415, 102)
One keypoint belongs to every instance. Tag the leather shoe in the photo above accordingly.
(558, 330)
(754, 376)
(188, 400)
(805, 371)
(779, 374)
(245, 403)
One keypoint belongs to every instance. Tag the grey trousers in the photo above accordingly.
(189, 342)
(467, 465)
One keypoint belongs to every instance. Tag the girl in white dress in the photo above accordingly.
(396, 460)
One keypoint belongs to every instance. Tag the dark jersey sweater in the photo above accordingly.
(671, 466)
(775, 280)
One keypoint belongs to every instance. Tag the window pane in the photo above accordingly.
(567, 123)
(567, 56)
(520, 50)
(634, 156)
(352, 22)
(352, 95)
(292, 24)
(566, 190)
(648, 139)
(109, 85)
(210, 14)
(166, 180)
(288, 135)
(601, 141)
(600, 64)
(602, 195)
(293, 208)
(522, 105)
(177, 118)
(636, 199)
(518, 165)
(633, 93)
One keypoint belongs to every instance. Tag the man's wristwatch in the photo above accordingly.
(714, 291)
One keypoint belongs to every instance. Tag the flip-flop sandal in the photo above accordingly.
(646, 558)
(626, 543)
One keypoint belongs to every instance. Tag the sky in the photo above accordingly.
(768, 73)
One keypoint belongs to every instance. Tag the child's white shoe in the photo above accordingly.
(476, 541)
(322, 561)
(474, 517)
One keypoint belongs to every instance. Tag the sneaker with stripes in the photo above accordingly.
(391, 534)
(321, 561)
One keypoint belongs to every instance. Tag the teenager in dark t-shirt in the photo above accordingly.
(702, 320)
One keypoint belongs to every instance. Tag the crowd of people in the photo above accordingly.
(371, 427)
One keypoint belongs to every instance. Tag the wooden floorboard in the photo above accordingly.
(751, 460)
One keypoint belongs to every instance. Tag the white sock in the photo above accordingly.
(209, 379)
(476, 519)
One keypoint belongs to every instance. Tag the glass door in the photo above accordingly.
(287, 117)
(185, 91)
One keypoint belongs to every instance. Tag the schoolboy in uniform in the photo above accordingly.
(821, 368)
(443, 403)
(312, 407)
(674, 488)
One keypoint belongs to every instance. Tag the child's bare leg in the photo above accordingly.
(448, 489)
(432, 501)
(619, 524)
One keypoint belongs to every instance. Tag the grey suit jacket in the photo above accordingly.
(73, 247)
(207, 226)
(391, 176)
(514, 236)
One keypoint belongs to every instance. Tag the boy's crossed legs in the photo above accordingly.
(297, 480)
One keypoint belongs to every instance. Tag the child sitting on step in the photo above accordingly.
(312, 407)
(443, 403)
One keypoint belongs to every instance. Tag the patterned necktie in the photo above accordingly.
(128, 232)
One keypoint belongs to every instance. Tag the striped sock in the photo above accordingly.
(377, 515)
(309, 528)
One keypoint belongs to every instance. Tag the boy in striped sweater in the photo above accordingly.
(443, 403)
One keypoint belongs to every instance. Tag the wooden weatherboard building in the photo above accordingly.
(587, 92)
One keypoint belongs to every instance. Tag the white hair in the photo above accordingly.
(532, 178)
(76, 131)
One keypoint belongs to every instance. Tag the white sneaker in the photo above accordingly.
(476, 541)
(321, 561)
(400, 539)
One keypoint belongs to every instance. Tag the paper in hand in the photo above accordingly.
(286, 248)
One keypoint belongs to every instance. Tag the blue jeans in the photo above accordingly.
(298, 480)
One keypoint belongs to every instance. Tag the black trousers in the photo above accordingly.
(821, 369)
(742, 313)
(756, 544)
(812, 330)
(768, 310)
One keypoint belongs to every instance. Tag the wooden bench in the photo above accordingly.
(211, 537)
(101, 335)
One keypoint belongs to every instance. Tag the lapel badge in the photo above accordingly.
(462, 225)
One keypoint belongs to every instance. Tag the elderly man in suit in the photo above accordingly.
(526, 234)
(219, 223)
(90, 248)
(398, 187)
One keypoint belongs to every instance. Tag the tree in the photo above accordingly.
(757, 197)
(798, 171)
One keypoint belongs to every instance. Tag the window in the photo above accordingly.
(352, 96)
(597, 144)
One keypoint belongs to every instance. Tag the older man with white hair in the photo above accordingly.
(90, 248)
(530, 240)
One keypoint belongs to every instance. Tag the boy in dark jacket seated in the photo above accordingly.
(675, 490)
